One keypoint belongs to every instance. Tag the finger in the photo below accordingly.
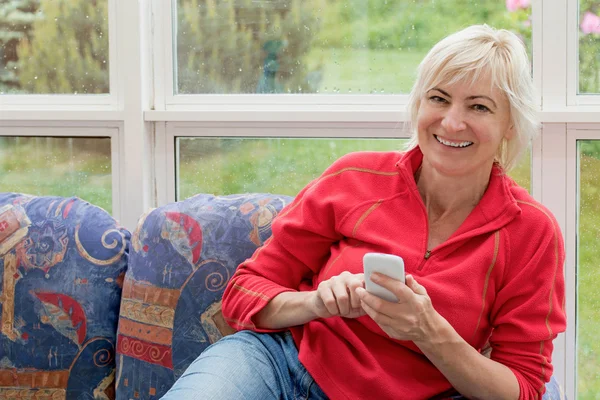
(361, 278)
(393, 285)
(342, 298)
(369, 310)
(369, 299)
(354, 298)
(381, 319)
(328, 299)
(415, 286)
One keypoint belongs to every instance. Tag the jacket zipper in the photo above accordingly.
(425, 258)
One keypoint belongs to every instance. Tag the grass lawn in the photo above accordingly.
(364, 71)
(588, 281)
(281, 166)
(56, 166)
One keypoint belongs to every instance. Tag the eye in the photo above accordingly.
(481, 108)
(437, 99)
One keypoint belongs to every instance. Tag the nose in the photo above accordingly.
(454, 120)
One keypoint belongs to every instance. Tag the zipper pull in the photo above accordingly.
(427, 254)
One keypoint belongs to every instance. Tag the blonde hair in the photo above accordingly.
(466, 56)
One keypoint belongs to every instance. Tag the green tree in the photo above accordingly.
(412, 24)
(16, 21)
(244, 46)
(67, 51)
(589, 52)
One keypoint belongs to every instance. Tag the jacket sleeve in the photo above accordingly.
(302, 235)
(529, 309)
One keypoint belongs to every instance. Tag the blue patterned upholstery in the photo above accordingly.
(62, 264)
(183, 255)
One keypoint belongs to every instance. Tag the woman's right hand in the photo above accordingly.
(337, 296)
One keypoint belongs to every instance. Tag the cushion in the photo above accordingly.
(182, 256)
(62, 264)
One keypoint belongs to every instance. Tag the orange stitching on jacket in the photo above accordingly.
(370, 171)
(555, 269)
(250, 292)
(337, 258)
(487, 279)
(364, 216)
(553, 282)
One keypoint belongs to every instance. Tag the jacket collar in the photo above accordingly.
(496, 208)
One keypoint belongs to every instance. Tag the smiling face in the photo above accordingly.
(461, 126)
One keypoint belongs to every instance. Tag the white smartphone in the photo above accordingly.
(386, 264)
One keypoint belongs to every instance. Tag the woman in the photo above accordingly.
(484, 259)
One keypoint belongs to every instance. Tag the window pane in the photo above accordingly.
(279, 166)
(321, 46)
(588, 271)
(58, 166)
(53, 46)
(522, 172)
(589, 46)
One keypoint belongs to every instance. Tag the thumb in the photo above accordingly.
(415, 286)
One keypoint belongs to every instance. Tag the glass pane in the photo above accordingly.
(279, 166)
(53, 46)
(58, 166)
(589, 46)
(588, 271)
(321, 46)
(522, 172)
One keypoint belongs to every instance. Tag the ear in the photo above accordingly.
(510, 133)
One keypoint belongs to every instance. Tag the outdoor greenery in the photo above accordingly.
(589, 51)
(244, 46)
(54, 46)
(57, 166)
(282, 166)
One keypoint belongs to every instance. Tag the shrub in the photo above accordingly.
(244, 46)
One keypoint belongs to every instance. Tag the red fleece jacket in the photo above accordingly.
(499, 277)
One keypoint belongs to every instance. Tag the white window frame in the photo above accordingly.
(143, 118)
(575, 132)
(573, 98)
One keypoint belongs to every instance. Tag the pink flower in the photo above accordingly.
(514, 5)
(590, 23)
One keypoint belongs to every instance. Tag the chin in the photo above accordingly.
(450, 168)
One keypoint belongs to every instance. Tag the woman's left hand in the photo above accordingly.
(411, 318)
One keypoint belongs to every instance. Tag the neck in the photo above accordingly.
(445, 195)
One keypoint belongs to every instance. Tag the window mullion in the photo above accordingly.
(554, 54)
(134, 66)
(553, 196)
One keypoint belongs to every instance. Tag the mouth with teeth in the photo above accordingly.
(452, 144)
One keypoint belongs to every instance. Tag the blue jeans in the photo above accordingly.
(247, 366)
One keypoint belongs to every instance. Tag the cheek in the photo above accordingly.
(424, 121)
(487, 134)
